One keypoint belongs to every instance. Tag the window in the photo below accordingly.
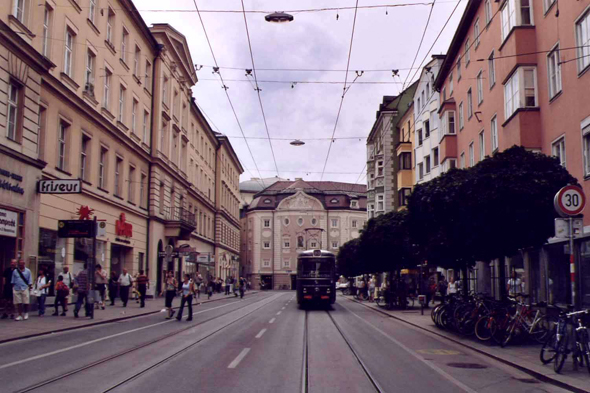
(131, 184)
(314, 221)
(266, 244)
(435, 156)
(92, 10)
(558, 150)
(554, 72)
(287, 221)
(13, 125)
(469, 104)
(476, 33)
(583, 41)
(84, 151)
(488, 11)
(467, 53)
(133, 115)
(418, 105)
(102, 167)
(124, 37)
(174, 147)
(508, 18)
(69, 53)
(287, 262)
(405, 160)
(462, 163)
(61, 145)
(520, 90)
(90, 58)
(300, 221)
(107, 88)
(142, 194)
(426, 129)
(313, 244)
(547, 4)
(459, 69)
(448, 123)
(136, 60)
(420, 137)
(110, 24)
(118, 165)
(267, 201)
(420, 171)
(526, 15)
(266, 263)
(371, 180)
(427, 163)
(494, 133)
(492, 70)
(423, 99)
(511, 95)
(427, 91)
(146, 122)
(379, 169)
(480, 87)
(451, 84)
(121, 103)
(515, 13)
(353, 224)
(586, 137)
(403, 195)
(334, 245)
(266, 223)
(20, 10)
(444, 94)
(380, 202)
(482, 147)
(471, 155)
(147, 76)
(286, 243)
(461, 116)
(334, 222)
(46, 32)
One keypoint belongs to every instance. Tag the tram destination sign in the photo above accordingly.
(59, 186)
(76, 228)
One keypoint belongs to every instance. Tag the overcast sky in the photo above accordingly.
(385, 38)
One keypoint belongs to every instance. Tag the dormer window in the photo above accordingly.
(267, 201)
(334, 200)
(354, 204)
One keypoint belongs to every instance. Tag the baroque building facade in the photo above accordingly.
(289, 217)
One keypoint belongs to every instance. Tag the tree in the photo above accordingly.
(348, 259)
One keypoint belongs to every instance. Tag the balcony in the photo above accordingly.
(180, 223)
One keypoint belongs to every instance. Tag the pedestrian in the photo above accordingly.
(226, 286)
(453, 286)
(372, 284)
(187, 291)
(143, 284)
(81, 288)
(514, 284)
(68, 281)
(199, 284)
(100, 285)
(170, 284)
(22, 283)
(41, 289)
(210, 285)
(7, 290)
(242, 284)
(113, 287)
(432, 289)
(62, 291)
(443, 285)
(135, 290)
(125, 282)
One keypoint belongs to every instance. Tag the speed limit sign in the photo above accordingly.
(570, 201)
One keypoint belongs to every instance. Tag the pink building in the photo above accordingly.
(516, 74)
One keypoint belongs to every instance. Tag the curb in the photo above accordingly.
(118, 319)
(536, 374)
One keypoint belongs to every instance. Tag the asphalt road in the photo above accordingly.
(263, 343)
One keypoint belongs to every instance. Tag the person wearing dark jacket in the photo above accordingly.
(113, 287)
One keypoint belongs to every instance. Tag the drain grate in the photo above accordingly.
(467, 365)
(527, 380)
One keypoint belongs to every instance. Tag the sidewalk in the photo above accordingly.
(11, 330)
(524, 357)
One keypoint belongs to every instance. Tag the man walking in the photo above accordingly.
(68, 281)
(7, 291)
(125, 282)
(22, 283)
(143, 284)
(82, 285)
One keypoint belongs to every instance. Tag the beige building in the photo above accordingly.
(103, 98)
(289, 217)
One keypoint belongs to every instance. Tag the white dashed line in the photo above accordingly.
(272, 320)
(279, 313)
(240, 357)
(261, 333)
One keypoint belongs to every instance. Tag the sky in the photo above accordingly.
(385, 38)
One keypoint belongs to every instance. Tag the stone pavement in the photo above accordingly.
(523, 356)
(11, 330)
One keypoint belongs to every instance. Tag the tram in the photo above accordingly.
(316, 277)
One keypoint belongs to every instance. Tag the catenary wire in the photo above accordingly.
(420, 44)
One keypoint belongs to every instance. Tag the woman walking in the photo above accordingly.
(171, 285)
(113, 287)
(62, 291)
(41, 288)
(100, 286)
(187, 292)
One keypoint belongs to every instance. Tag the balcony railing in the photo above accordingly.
(181, 215)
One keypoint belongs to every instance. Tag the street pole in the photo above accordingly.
(91, 272)
(572, 262)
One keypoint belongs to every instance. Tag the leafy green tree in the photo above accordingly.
(348, 259)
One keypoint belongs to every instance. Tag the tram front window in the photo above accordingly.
(316, 268)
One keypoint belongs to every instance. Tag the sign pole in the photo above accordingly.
(91, 272)
(572, 261)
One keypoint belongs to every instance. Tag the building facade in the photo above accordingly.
(289, 217)
(382, 161)
(405, 153)
(516, 73)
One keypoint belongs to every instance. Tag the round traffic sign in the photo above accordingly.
(570, 201)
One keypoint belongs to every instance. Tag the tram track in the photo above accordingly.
(121, 354)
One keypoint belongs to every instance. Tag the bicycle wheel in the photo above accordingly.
(585, 350)
(500, 325)
(561, 352)
(540, 329)
(379, 301)
(483, 329)
(509, 333)
(346, 291)
(547, 353)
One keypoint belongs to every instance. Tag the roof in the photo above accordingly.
(257, 184)
(391, 104)
(319, 187)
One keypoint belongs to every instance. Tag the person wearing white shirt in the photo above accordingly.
(125, 282)
(514, 285)
(41, 288)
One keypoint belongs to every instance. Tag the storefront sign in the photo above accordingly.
(76, 228)
(59, 186)
(122, 227)
(11, 187)
(11, 175)
(8, 223)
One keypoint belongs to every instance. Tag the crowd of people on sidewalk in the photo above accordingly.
(19, 287)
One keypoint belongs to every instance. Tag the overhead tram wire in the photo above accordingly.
(258, 89)
(421, 41)
(226, 93)
(345, 88)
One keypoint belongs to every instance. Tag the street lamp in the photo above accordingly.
(297, 142)
(279, 17)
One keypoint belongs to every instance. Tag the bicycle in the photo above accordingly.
(556, 346)
(523, 321)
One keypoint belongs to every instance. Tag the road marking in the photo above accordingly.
(237, 360)
(98, 340)
(438, 352)
(440, 371)
(283, 308)
(279, 313)
(261, 333)
(272, 320)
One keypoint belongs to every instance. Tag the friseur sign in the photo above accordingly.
(59, 186)
(76, 228)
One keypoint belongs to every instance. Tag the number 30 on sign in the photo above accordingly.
(569, 201)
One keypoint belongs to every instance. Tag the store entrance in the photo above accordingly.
(120, 258)
(7, 253)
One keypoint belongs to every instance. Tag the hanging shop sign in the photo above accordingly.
(59, 186)
(8, 223)
(76, 228)
(122, 227)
